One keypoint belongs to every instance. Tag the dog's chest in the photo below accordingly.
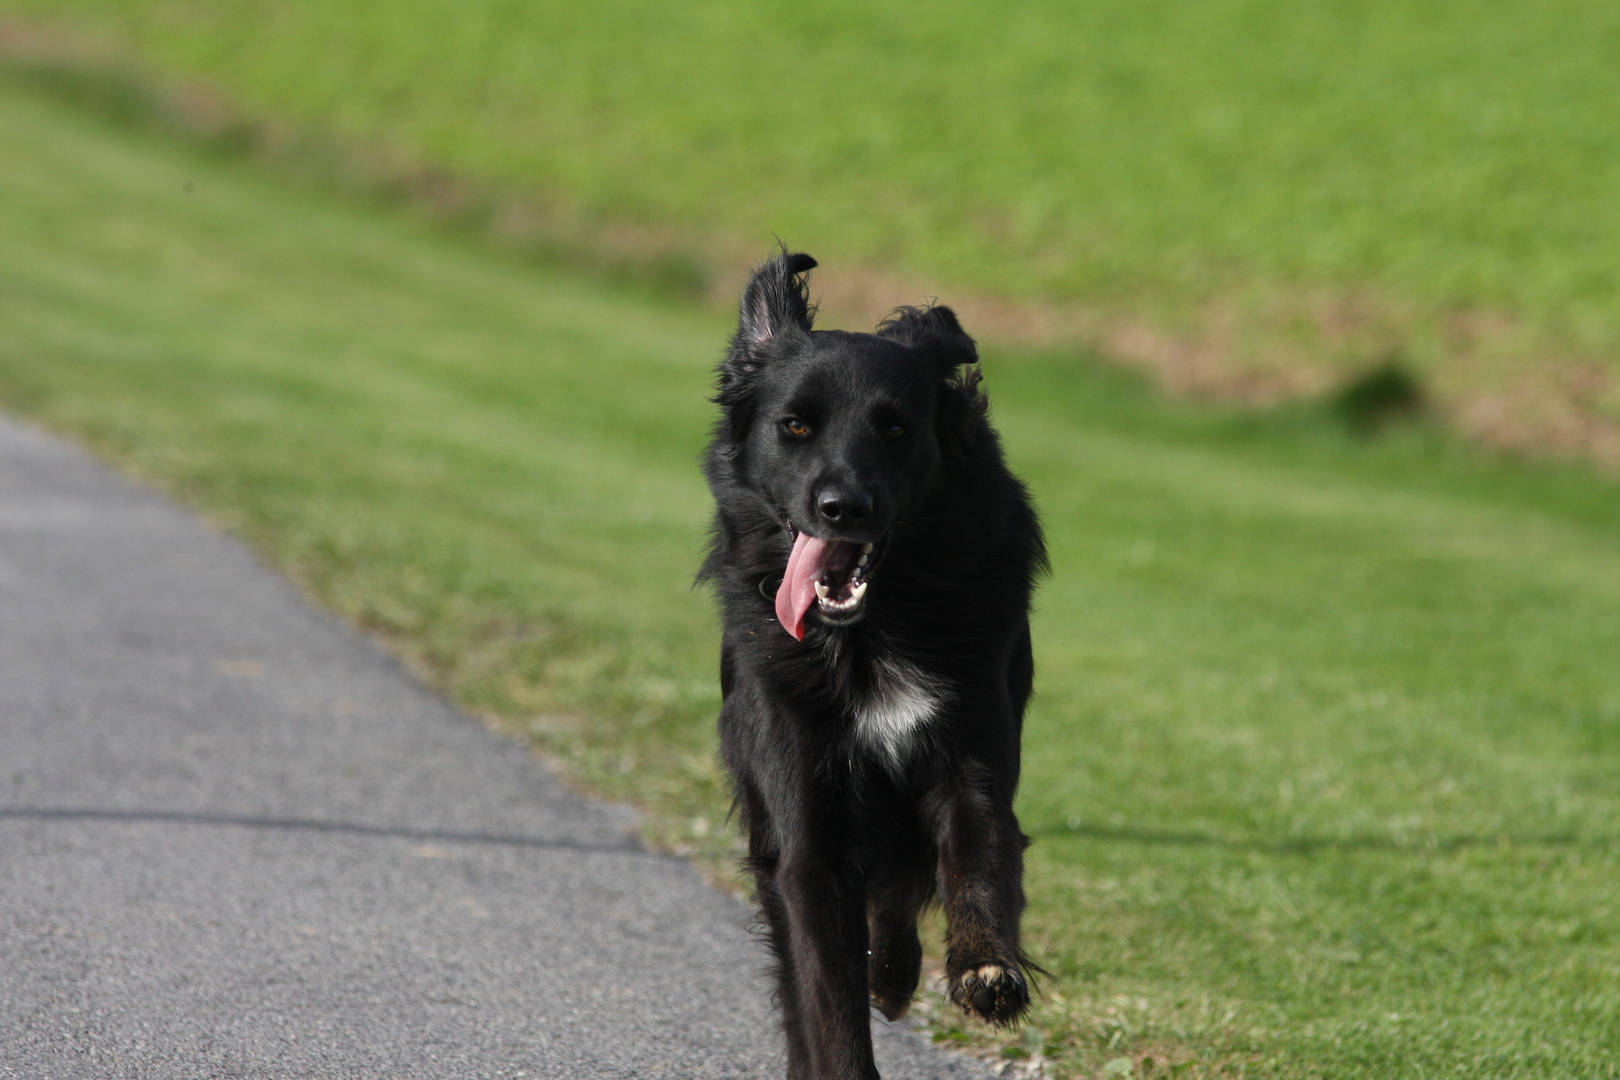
(899, 699)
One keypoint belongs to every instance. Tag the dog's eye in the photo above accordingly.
(795, 427)
(897, 431)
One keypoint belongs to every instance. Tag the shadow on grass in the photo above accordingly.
(1387, 394)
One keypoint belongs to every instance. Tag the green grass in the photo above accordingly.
(1321, 766)
(1323, 181)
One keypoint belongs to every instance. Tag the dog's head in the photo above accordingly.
(839, 434)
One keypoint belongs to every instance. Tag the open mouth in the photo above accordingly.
(829, 575)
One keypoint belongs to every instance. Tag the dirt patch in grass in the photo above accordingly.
(1483, 373)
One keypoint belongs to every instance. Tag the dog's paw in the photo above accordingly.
(891, 1005)
(895, 966)
(998, 993)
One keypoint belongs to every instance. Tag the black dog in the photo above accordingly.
(874, 559)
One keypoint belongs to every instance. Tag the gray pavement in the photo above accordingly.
(238, 841)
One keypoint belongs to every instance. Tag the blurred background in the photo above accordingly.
(1303, 321)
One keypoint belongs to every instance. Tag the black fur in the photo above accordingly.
(850, 834)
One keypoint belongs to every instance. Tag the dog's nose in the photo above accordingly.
(841, 506)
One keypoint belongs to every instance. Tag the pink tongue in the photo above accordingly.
(798, 590)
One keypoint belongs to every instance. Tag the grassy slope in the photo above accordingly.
(424, 437)
(1412, 158)
(1320, 770)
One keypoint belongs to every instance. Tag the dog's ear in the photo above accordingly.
(962, 419)
(775, 309)
(935, 329)
(775, 305)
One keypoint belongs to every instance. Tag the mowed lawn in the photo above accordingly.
(1324, 767)
(1319, 183)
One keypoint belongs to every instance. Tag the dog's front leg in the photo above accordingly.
(823, 899)
(981, 868)
(764, 861)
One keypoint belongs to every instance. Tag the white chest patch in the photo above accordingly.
(902, 699)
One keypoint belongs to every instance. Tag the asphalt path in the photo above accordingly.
(236, 840)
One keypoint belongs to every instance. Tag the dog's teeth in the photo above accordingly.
(862, 561)
(866, 549)
(821, 590)
(858, 592)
